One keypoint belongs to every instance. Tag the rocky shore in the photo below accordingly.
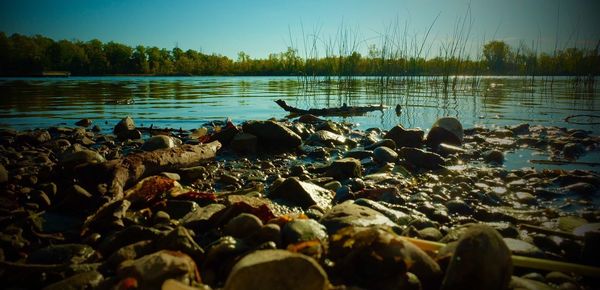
(301, 204)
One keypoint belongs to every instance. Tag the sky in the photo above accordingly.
(262, 27)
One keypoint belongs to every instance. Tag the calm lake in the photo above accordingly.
(188, 102)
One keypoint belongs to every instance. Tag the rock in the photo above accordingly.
(527, 284)
(268, 233)
(359, 154)
(191, 174)
(397, 217)
(389, 143)
(61, 254)
(124, 126)
(570, 223)
(525, 197)
(130, 252)
(302, 193)
(244, 143)
(350, 214)
(558, 278)
(344, 168)
(445, 130)
(177, 209)
(421, 158)
(493, 156)
(158, 142)
(84, 122)
(580, 231)
(405, 137)
(85, 280)
(277, 269)
(325, 138)
(3, 174)
(272, 135)
(520, 129)
(242, 226)
(152, 270)
(108, 217)
(573, 150)
(200, 218)
(470, 269)
(385, 155)
(519, 247)
(35, 137)
(458, 207)
(77, 198)
(85, 156)
(127, 236)
(172, 284)
(96, 129)
(430, 234)
(375, 258)
(220, 258)
(303, 230)
(180, 239)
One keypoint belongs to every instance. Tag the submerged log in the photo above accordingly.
(339, 111)
(127, 171)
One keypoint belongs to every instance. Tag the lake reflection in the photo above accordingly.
(188, 102)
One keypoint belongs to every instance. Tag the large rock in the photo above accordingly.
(303, 230)
(277, 269)
(378, 259)
(325, 138)
(158, 142)
(302, 193)
(405, 137)
(421, 158)
(384, 155)
(242, 226)
(85, 156)
(522, 248)
(180, 239)
(344, 168)
(125, 129)
(447, 130)
(272, 135)
(85, 122)
(350, 214)
(244, 143)
(152, 270)
(481, 260)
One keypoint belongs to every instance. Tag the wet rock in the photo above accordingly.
(458, 207)
(277, 269)
(520, 129)
(344, 168)
(582, 188)
(421, 158)
(243, 226)
(302, 193)
(61, 254)
(397, 217)
(152, 270)
(108, 217)
(130, 252)
(405, 137)
(430, 234)
(123, 128)
(325, 138)
(191, 174)
(519, 247)
(86, 280)
(84, 122)
(85, 156)
(384, 155)
(445, 130)
(158, 142)
(528, 284)
(268, 233)
(389, 143)
(303, 230)
(180, 239)
(3, 174)
(201, 217)
(584, 229)
(573, 150)
(350, 214)
(359, 154)
(570, 223)
(469, 269)
(272, 135)
(558, 278)
(493, 156)
(244, 143)
(525, 197)
(220, 258)
(378, 259)
(128, 236)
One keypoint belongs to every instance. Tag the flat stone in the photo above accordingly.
(158, 142)
(200, 218)
(85, 156)
(570, 223)
(350, 214)
(302, 193)
(272, 135)
(325, 138)
(344, 168)
(421, 158)
(519, 247)
(277, 269)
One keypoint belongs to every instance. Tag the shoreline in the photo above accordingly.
(106, 204)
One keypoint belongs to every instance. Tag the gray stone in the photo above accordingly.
(152, 270)
(445, 130)
(244, 143)
(200, 218)
(242, 226)
(405, 137)
(469, 268)
(158, 142)
(277, 269)
(325, 138)
(430, 234)
(350, 214)
(302, 230)
(344, 168)
(124, 126)
(302, 193)
(385, 155)
(421, 158)
(180, 239)
(272, 135)
(519, 247)
(85, 156)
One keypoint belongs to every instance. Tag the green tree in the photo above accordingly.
(496, 54)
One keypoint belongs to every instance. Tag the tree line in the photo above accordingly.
(31, 55)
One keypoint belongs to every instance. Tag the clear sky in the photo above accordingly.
(265, 26)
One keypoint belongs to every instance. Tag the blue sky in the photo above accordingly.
(265, 26)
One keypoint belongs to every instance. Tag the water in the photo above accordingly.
(188, 102)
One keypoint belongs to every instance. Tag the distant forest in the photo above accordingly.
(22, 55)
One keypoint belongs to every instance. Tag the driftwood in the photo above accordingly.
(339, 111)
(125, 172)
